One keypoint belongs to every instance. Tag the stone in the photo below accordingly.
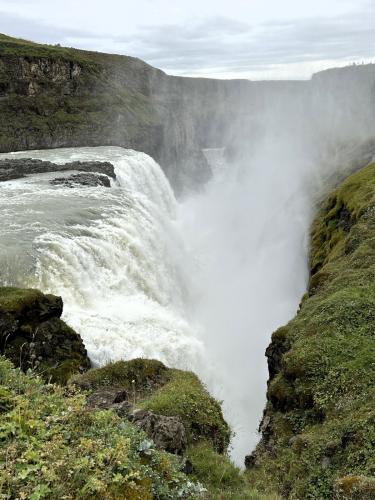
(109, 398)
(250, 461)
(168, 433)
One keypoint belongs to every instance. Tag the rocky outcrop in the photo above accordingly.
(21, 167)
(33, 336)
(54, 97)
(82, 179)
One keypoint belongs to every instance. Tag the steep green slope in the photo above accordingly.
(57, 444)
(319, 424)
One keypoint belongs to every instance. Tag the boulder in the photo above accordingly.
(168, 433)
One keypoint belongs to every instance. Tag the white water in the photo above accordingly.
(110, 253)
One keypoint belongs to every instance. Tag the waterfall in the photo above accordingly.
(112, 254)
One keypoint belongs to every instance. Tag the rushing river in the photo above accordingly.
(199, 284)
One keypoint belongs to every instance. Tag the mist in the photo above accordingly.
(247, 231)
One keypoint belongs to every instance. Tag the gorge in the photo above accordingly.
(200, 248)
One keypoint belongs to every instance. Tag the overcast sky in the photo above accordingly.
(257, 39)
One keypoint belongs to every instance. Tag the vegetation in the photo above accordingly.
(54, 446)
(319, 436)
(220, 476)
(166, 392)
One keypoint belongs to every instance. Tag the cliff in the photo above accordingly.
(59, 97)
(62, 97)
(318, 429)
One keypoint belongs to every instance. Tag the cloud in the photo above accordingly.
(19, 26)
(221, 45)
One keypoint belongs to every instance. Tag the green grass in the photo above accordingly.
(18, 300)
(140, 375)
(53, 446)
(321, 403)
(220, 476)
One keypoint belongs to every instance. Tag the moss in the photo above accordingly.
(214, 470)
(17, 47)
(220, 476)
(60, 373)
(53, 446)
(355, 488)
(183, 395)
(6, 400)
(32, 335)
(140, 375)
(323, 390)
(16, 300)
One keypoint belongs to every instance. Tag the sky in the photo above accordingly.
(255, 39)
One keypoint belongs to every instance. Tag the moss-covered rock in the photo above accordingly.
(355, 488)
(32, 335)
(319, 424)
(139, 375)
(164, 391)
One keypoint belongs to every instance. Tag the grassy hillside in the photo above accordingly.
(319, 426)
(55, 444)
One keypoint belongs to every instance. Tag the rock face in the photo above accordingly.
(32, 335)
(319, 420)
(54, 97)
(19, 168)
(82, 179)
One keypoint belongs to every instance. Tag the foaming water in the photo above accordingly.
(110, 253)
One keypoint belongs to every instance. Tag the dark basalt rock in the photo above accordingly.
(21, 167)
(82, 179)
(32, 335)
(168, 433)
